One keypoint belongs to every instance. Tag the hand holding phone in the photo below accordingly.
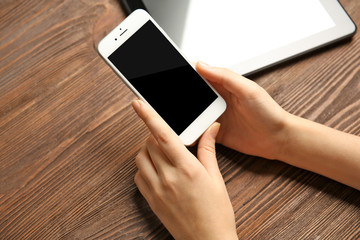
(150, 64)
(188, 194)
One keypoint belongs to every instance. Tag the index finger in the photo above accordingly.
(168, 141)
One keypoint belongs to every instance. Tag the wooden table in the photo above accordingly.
(68, 135)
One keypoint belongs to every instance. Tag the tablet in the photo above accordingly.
(249, 35)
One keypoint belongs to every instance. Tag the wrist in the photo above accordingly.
(297, 138)
(285, 138)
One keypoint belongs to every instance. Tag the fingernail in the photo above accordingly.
(205, 65)
(215, 127)
(136, 105)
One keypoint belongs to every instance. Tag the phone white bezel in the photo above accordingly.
(122, 33)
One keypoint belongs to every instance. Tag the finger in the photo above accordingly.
(159, 159)
(146, 167)
(206, 149)
(221, 90)
(167, 139)
(142, 185)
(230, 80)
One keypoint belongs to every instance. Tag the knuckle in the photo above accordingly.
(163, 137)
(189, 172)
(207, 148)
(169, 182)
(253, 94)
(254, 90)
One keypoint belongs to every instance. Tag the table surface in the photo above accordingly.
(68, 135)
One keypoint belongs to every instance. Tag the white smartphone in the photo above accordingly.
(150, 64)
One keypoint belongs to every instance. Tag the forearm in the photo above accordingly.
(323, 150)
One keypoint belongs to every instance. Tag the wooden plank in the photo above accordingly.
(68, 136)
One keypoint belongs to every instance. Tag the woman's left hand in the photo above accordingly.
(187, 194)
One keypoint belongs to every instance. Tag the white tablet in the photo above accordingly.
(249, 35)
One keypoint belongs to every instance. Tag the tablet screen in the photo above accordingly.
(226, 32)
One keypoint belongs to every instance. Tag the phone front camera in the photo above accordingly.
(115, 39)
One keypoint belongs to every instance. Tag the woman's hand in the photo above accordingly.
(187, 194)
(253, 122)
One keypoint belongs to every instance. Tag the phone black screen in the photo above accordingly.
(163, 77)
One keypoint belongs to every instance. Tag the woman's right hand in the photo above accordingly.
(253, 122)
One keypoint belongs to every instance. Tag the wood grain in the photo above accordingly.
(68, 136)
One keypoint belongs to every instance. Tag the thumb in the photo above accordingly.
(206, 149)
